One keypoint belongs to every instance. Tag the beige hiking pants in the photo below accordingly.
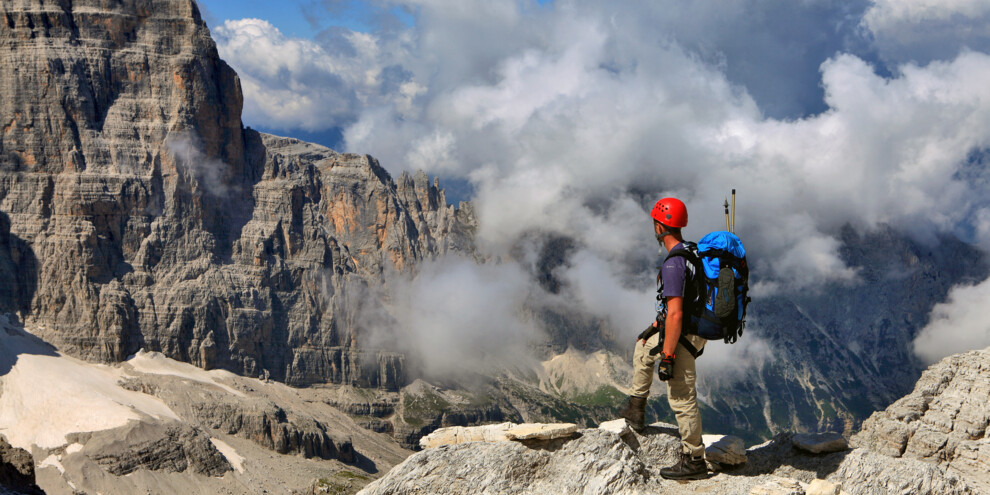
(681, 391)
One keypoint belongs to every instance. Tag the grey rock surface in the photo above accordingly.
(727, 451)
(819, 443)
(17, 470)
(594, 463)
(865, 472)
(171, 448)
(779, 486)
(945, 420)
(137, 212)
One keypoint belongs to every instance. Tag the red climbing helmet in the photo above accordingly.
(670, 212)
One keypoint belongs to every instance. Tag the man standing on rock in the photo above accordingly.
(676, 350)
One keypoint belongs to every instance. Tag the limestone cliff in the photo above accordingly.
(137, 212)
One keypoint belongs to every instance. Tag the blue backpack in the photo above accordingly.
(721, 287)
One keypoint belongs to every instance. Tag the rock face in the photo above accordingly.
(17, 470)
(137, 212)
(169, 448)
(945, 420)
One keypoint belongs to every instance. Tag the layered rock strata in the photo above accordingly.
(137, 212)
(945, 420)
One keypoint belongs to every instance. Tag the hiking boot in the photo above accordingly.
(635, 412)
(686, 469)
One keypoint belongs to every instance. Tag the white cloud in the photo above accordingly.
(885, 14)
(958, 325)
(573, 119)
(457, 315)
(924, 30)
(187, 152)
(294, 83)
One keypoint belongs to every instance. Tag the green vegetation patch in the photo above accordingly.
(605, 396)
(351, 476)
(417, 408)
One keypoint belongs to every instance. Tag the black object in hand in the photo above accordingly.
(665, 370)
(646, 334)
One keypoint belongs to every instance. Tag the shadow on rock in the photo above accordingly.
(780, 451)
(549, 445)
(15, 341)
(363, 463)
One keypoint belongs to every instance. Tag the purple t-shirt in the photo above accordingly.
(675, 275)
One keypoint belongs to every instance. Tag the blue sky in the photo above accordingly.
(299, 18)
(288, 15)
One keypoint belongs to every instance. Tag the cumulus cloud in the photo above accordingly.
(885, 14)
(958, 325)
(925, 30)
(293, 83)
(572, 120)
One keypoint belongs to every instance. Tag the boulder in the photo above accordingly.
(727, 450)
(822, 487)
(618, 426)
(820, 443)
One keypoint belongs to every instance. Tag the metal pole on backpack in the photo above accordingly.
(728, 226)
(733, 228)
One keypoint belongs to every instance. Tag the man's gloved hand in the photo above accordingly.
(646, 334)
(665, 370)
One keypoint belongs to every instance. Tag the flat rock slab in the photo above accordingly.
(728, 451)
(461, 434)
(779, 486)
(541, 431)
(820, 443)
(618, 426)
(822, 487)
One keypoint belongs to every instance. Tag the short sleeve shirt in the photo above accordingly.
(675, 275)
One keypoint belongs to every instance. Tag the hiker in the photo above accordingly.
(667, 342)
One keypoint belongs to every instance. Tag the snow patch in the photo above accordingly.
(52, 461)
(236, 460)
(47, 396)
(155, 363)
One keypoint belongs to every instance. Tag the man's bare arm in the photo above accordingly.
(672, 330)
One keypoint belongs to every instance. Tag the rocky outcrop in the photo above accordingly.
(137, 212)
(599, 462)
(169, 448)
(595, 463)
(944, 421)
(865, 472)
(17, 470)
(270, 426)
